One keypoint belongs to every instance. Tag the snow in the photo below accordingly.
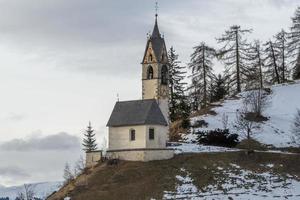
(197, 148)
(284, 102)
(41, 190)
(237, 184)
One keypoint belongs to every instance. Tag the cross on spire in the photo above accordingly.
(156, 9)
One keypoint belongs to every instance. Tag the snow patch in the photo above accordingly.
(197, 148)
(284, 102)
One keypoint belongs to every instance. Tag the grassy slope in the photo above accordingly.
(137, 180)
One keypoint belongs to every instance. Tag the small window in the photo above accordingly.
(150, 57)
(132, 135)
(151, 133)
(150, 73)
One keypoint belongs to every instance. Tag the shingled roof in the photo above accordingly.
(138, 112)
(158, 42)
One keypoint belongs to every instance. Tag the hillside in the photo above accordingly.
(41, 190)
(284, 101)
(227, 175)
(207, 172)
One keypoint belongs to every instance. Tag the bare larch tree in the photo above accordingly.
(271, 59)
(294, 44)
(257, 63)
(281, 45)
(201, 66)
(234, 54)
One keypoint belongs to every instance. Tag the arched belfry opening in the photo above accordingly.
(150, 72)
(164, 75)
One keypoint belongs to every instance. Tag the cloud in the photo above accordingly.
(60, 141)
(16, 117)
(13, 173)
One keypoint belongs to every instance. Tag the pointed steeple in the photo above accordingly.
(155, 33)
(157, 43)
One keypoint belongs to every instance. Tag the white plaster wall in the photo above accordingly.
(160, 136)
(119, 137)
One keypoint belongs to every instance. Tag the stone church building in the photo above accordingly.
(138, 129)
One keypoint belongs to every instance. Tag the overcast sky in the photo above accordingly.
(62, 64)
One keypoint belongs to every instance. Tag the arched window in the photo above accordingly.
(132, 134)
(164, 75)
(150, 73)
(150, 57)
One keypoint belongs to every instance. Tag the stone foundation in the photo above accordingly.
(141, 154)
(93, 158)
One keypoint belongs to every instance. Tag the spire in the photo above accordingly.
(155, 33)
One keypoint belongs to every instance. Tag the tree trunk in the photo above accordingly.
(204, 77)
(260, 70)
(238, 81)
(275, 64)
(283, 60)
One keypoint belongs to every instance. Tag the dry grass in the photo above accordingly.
(138, 180)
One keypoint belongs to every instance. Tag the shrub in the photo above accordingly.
(217, 137)
(252, 144)
(200, 123)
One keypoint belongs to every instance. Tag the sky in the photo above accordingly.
(62, 64)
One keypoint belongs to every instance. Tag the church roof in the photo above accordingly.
(138, 112)
(158, 43)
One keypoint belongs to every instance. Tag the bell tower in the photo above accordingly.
(155, 71)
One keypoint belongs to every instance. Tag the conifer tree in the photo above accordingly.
(218, 88)
(201, 66)
(294, 44)
(271, 57)
(178, 100)
(234, 54)
(281, 45)
(89, 142)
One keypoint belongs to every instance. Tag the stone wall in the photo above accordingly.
(141, 154)
(93, 158)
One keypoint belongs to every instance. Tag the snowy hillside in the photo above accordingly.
(284, 101)
(42, 190)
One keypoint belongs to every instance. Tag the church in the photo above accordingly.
(138, 130)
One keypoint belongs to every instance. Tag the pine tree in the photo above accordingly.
(177, 101)
(89, 142)
(272, 70)
(201, 65)
(234, 54)
(281, 45)
(294, 44)
(257, 63)
(218, 88)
